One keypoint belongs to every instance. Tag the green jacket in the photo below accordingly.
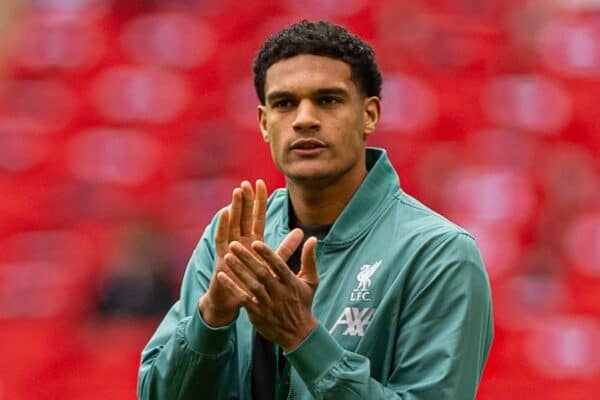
(403, 305)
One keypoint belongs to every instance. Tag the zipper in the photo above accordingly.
(283, 384)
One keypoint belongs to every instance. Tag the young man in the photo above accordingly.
(368, 295)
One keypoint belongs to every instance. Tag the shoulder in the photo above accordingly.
(410, 218)
(430, 244)
(277, 205)
(277, 199)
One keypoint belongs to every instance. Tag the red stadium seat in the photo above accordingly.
(140, 94)
(168, 39)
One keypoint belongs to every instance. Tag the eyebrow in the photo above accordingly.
(334, 90)
(278, 95)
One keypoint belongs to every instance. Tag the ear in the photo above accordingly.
(372, 111)
(262, 122)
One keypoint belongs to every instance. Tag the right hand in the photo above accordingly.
(244, 222)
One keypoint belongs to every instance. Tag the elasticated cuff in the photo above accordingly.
(316, 355)
(205, 339)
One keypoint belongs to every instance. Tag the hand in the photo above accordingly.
(279, 303)
(244, 223)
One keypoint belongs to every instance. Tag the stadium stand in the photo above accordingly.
(115, 112)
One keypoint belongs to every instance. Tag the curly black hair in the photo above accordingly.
(322, 39)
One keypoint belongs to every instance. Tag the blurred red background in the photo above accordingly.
(124, 125)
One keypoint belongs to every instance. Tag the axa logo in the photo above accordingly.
(355, 319)
(364, 282)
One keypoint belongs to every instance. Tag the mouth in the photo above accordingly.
(307, 146)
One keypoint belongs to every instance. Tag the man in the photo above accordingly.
(368, 295)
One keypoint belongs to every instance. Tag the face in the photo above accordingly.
(316, 120)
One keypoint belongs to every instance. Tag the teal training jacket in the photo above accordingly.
(403, 306)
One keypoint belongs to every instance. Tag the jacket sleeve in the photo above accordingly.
(185, 358)
(444, 335)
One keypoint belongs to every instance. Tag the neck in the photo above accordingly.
(321, 204)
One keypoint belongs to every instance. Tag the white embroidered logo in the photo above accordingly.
(356, 320)
(364, 282)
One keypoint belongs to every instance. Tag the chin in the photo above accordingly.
(312, 176)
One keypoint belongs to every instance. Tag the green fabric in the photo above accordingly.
(419, 327)
(282, 387)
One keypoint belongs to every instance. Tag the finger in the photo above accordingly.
(308, 269)
(256, 266)
(248, 280)
(221, 234)
(230, 274)
(290, 243)
(237, 292)
(260, 209)
(275, 263)
(247, 207)
(236, 214)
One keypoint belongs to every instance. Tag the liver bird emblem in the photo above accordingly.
(365, 274)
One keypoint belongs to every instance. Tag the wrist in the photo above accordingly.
(213, 316)
(301, 335)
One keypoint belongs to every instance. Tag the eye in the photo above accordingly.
(283, 103)
(329, 100)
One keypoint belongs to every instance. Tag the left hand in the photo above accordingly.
(279, 303)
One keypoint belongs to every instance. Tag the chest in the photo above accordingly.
(360, 295)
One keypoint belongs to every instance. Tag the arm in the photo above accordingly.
(444, 333)
(185, 357)
(192, 354)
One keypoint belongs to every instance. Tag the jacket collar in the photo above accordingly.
(368, 202)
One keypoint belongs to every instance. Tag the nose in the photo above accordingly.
(307, 118)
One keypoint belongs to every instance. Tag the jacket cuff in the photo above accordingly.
(205, 339)
(316, 355)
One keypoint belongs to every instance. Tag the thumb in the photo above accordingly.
(308, 271)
